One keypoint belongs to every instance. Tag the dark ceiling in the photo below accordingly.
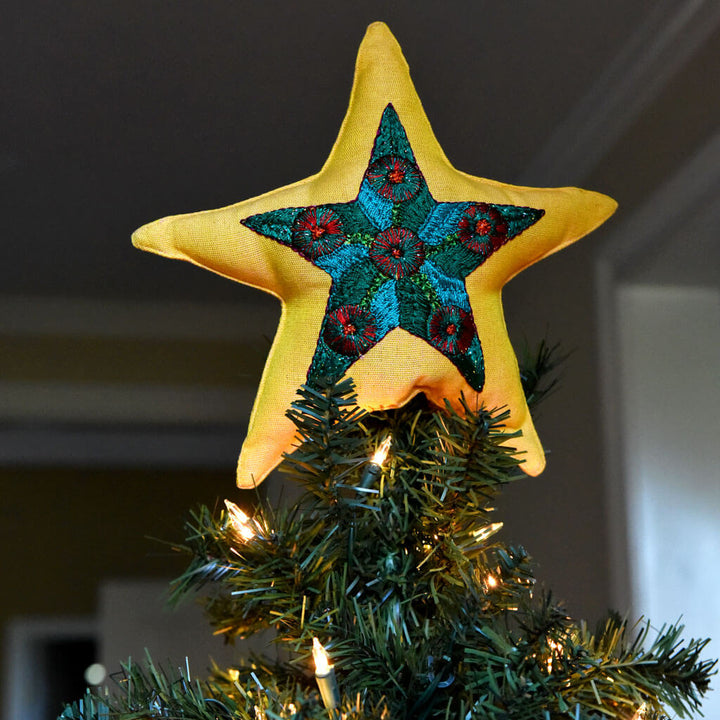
(117, 112)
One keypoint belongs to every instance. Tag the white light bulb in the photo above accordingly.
(95, 674)
(382, 452)
(239, 520)
(487, 531)
(322, 665)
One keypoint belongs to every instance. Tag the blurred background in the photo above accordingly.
(126, 380)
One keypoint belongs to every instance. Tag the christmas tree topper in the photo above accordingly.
(389, 264)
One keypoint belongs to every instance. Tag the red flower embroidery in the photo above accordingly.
(482, 229)
(394, 178)
(317, 231)
(350, 330)
(451, 329)
(397, 252)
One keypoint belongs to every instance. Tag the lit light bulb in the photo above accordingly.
(95, 674)
(555, 649)
(239, 521)
(234, 674)
(483, 533)
(491, 581)
(374, 466)
(325, 677)
(322, 664)
(382, 452)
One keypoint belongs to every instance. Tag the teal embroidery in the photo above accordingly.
(397, 259)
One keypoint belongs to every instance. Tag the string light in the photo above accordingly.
(320, 656)
(374, 466)
(381, 453)
(555, 650)
(239, 521)
(95, 674)
(483, 533)
(491, 581)
(641, 712)
(325, 677)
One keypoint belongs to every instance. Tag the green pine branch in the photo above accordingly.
(539, 371)
(402, 575)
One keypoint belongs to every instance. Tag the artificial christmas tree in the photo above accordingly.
(396, 571)
(386, 584)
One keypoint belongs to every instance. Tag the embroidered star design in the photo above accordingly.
(389, 270)
(397, 259)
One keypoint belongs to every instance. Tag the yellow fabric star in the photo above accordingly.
(398, 364)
